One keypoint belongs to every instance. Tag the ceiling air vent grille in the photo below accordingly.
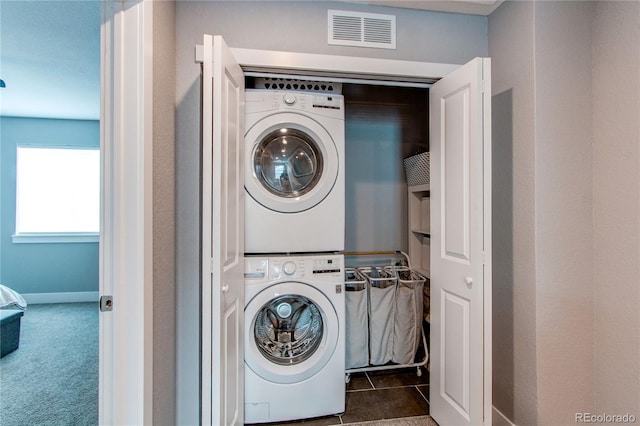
(362, 29)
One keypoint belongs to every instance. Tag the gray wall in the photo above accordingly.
(564, 209)
(566, 78)
(511, 48)
(383, 125)
(289, 26)
(164, 271)
(42, 268)
(543, 284)
(616, 157)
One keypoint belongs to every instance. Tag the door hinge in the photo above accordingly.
(106, 303)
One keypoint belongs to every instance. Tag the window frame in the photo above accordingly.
(52, 236)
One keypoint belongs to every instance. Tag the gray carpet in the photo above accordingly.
(52, 378)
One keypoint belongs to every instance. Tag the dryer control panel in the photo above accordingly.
(323, 104)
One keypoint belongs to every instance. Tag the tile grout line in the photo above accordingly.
(384, 388)
(423, 395)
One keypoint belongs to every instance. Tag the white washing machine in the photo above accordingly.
(294, 172)
(294, 337)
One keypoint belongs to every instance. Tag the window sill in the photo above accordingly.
(55, 237)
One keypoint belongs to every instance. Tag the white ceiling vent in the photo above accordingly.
(362, 29)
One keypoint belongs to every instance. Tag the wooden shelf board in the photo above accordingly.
(419, 188)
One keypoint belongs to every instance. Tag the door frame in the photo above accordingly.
(388, 72)
(126, 345)
(380, 72)
(126, 225)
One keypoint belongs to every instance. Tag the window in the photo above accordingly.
(57, 194)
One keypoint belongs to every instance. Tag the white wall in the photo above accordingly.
(616, 166)
(298, 26)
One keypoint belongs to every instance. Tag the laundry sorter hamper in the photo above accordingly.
(407, 323)
(357, 319)
(394, 298)
(382, 291)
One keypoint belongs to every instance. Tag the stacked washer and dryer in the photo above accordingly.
(294, 239)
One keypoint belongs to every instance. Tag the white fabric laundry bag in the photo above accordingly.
(357, 321)
(382, 290)
(408, 315)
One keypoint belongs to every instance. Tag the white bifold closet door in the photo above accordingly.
(222, 236)
(460, 145)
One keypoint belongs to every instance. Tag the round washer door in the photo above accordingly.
(291, 332)
(292, 163)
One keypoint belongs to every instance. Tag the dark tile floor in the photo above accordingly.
(378, 395)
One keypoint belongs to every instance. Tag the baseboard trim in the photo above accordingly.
(65, 297)
(500, 419)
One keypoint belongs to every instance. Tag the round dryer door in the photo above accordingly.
(293, 162)
(291, 332)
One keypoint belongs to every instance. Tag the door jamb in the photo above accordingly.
(339, 68)
(126, 261)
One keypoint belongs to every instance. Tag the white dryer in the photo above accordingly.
(294, 337)
(294, 172)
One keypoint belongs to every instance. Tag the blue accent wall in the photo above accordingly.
(49, 267)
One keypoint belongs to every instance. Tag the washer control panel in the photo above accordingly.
(327, 265)
(312, 267)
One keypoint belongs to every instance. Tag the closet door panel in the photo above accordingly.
(455, 176)
(460, 279)
(222, 236)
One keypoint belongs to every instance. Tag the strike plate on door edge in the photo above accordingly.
(106, 303)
